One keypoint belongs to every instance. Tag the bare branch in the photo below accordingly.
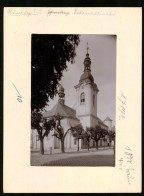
(56, 136)
(66, 132)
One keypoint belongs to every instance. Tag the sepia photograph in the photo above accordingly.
(73, 98)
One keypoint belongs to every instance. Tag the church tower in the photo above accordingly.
(86, 96)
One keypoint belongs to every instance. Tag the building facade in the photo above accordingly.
(85, 113)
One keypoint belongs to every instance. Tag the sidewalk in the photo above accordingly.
(58, 151)
(37, 159)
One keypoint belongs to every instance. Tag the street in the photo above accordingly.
(93, 157)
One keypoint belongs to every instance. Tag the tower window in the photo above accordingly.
(82, 98)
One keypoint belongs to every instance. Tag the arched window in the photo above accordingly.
(82, 98)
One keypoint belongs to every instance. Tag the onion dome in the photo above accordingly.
(61, 88)
(86, 76)
(61, 94)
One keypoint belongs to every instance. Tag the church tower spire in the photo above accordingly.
(87, 61)
(87, 76)
(86, 95)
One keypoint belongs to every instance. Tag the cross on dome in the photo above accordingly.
(87, 47)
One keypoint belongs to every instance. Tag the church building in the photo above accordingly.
(85, 113)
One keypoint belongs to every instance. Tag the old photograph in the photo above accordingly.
(72, 100)
(73, 89)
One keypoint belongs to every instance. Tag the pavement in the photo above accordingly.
(93, 157)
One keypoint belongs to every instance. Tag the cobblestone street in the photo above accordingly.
(101, 157)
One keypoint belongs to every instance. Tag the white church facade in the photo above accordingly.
(85, 113)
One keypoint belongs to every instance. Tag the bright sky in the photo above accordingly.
(102, 52)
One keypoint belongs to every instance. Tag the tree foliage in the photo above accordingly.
(43, 127)
(96, 134)
(111, 136)
(50, 53)
(104, 133)
(87, 136)
(77, 132)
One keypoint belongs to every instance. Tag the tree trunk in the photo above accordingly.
(88, 145)
(62, 146)
(41, 146)
(114, 146)
(78, 145)
(110, 143)
(96, 144)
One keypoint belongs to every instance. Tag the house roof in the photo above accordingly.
(62, 110)
(66, 112)
(107, 119)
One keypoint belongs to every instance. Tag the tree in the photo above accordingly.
(104, 133)
(112, 137)
(43, 127)
(78, 133)
(96, 134)
(59, 131)
(50, 53)
(87, 136)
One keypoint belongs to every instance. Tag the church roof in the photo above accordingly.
(107, 119)
(62, 110)
(101, 122)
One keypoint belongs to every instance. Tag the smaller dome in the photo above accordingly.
(86, 75)
(61, 88)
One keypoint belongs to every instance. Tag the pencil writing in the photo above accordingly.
(19, 97)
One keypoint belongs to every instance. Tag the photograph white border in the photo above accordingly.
(19, 24)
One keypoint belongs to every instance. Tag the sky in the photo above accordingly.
(102, 52)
